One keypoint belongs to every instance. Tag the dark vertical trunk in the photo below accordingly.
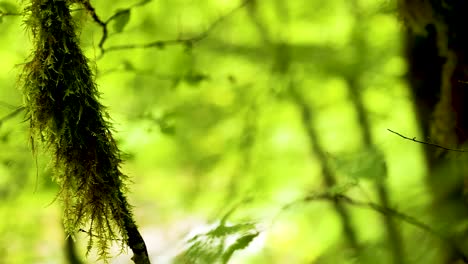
(437, 75)
(424, 73)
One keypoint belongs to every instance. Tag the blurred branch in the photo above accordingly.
(181, 41)
(11, 115)
(281, 64)
(4, 14)
(329, 196)
(426, 143)
(246, 145)
(7, 105)
(327, 172)
(259, 25)
(103, 24)
(374, 206)
(352, 76)
(139, 72)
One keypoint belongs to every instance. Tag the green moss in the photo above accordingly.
(64, 111)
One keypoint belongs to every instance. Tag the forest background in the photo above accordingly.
(261, 126)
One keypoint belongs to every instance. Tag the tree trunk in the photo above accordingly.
(436, 48)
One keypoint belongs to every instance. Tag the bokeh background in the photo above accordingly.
(239, 122)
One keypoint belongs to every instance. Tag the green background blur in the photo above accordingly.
(210, 130)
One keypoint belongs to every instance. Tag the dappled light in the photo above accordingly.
(229, 132)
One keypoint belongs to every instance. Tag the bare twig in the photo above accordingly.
(101, 23)
(426, 143)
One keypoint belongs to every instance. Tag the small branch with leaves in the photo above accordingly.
(124, 15)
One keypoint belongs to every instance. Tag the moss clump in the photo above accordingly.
(64, 111)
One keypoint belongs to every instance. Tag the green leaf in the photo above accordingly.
(241, 243)
(223, 230)
(210, 247)
(121, 20)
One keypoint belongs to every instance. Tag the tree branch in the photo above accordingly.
(103, 24)
(328, 196)
(4, 14)
(352, 77)
(181, 41)
(427, 143)
(11, 115)
(327, 173)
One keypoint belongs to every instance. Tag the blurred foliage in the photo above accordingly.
(199, 95)
(211, 247)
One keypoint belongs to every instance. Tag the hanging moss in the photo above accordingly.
(64, 111)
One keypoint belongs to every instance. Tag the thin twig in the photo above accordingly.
(8, 105)
(4, 14)
(427, 143)
(11, 115)
(103, 24)
(181, 41)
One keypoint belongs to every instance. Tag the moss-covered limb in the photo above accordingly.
(135, 240)
(64, 111)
